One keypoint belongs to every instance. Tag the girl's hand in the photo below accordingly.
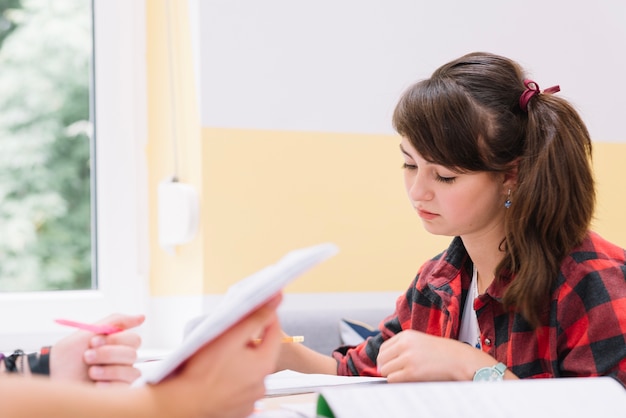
(415, 356)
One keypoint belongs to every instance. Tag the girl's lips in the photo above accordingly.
(424, 214)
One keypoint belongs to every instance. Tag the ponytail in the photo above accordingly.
(554, 202)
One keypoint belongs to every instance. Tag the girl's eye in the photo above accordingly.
(446, 179)
(408, 166)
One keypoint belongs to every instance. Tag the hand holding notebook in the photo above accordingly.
(241, 299)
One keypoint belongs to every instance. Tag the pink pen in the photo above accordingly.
(98, 329)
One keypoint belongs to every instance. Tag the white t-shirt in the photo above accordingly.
(470, 331)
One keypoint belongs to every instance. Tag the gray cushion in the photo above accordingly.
(319, 327)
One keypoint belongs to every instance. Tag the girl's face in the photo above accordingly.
(453, 204)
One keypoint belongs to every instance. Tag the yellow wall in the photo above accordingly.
(610, 219)
(268, 192)
(265, 193)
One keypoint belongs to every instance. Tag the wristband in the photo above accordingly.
(10, 362)
(40, 363)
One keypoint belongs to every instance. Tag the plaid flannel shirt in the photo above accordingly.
(585, 325)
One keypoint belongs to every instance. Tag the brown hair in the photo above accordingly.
(467, 116)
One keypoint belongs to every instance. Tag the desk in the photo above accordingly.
(287, 406)
(293, 394)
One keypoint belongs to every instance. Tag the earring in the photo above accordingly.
(507, 202)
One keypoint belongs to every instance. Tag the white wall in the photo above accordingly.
(340, 65)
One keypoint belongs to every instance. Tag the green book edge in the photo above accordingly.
(323, 409)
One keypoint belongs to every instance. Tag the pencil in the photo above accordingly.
(292, 339)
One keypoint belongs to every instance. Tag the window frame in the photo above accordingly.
(121, 225)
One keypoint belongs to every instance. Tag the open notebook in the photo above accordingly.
(564, 397)
(240, 299)
(289, 382)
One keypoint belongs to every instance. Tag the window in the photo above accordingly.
(45, 205)
(119, 188)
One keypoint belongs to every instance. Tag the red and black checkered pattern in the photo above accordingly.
(585, 326)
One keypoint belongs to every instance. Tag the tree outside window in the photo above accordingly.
(46, 136)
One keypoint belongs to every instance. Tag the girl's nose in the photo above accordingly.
(417, 188)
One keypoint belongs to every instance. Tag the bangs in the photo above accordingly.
(443, 124)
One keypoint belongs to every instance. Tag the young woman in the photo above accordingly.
(525, 289)
(223, 379)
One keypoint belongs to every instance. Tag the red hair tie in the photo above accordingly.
(532, 89)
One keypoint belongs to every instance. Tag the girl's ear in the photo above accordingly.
(510, 176)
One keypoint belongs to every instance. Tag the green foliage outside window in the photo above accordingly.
(45, 137)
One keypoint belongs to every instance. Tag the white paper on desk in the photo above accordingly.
(241, 299)
(289, 382)
(564, 397)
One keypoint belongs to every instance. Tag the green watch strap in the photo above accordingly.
(500, 368)
(490, 374)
